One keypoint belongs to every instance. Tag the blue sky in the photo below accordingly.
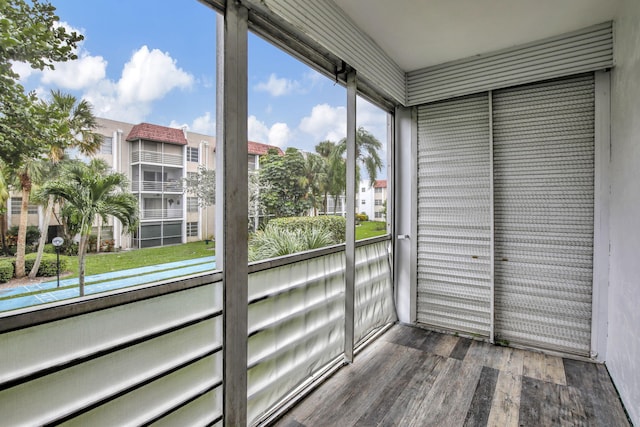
(153, 61)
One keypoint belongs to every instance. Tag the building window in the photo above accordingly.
(192, 229)
(378, 214)
(107, 145)
(363, 189)
(252, 162)
(379, 190)
(378, 203)
(192, 204)
(364, 202)
(193, 154)
(16, 204)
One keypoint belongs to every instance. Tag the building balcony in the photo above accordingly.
(156, 187)
(156, 214)
(155, 157)
(154, 353)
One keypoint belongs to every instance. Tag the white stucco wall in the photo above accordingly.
(623, 344)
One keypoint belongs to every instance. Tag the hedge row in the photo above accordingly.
(6, 270)
(47, 265)
(335, 225)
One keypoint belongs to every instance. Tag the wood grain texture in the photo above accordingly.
(505, 407)
(414, 377)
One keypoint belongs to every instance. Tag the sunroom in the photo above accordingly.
(513, 215)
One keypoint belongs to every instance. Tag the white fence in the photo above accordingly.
(153, 354)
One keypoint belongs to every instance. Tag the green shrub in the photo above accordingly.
(6, 270)
(33, 234)
(362, 217)
(49, 249)
(47, 265)
(334, 225)
(274, 242)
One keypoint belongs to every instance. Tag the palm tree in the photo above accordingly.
(367, 147)
(333, 179)
(72, 125)
(312, 177)
(89, 192)
(4, 196)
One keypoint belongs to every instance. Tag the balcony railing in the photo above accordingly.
(157, 186)
(153, 353)
(160, 214)
(156, 157)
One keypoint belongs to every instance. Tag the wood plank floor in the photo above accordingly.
(414, 377)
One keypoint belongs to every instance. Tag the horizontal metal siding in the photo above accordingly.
(454, 223)
(589, 49)
(543, 174)
(130, 364)
(328, 25)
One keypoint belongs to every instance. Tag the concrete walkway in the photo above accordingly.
(102, 282)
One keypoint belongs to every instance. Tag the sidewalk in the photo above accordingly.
(11, 299)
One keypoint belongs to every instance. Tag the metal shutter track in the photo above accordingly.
(543, 183)
(454, 224)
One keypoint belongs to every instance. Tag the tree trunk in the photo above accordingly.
(335, 204)
(22, 230)
(3, 233)
(43, 237)
(98, 234)
(82, 250)
(325, 207)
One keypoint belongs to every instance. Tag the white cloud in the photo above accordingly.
(146, 77)
(204, 124)
(325, 123)
(82, 73)
(372, 118)
(277, 86)
(106, 103)
(278, 134)
(257, 130)
(150, 75)
(23, 69)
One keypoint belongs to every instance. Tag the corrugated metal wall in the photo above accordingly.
(540, 142)
(454, 221)
(544, 172)
(325, 23)
(585, 50)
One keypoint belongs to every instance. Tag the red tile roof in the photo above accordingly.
(261, 149)
(157, 133)
(380, 183)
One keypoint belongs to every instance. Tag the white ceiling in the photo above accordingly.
(420, 33)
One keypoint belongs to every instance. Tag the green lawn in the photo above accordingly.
(116, 261)
(368, 229)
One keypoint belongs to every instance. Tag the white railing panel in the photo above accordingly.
(197, 413)
(130, 362)
(161, 213)
(296, 326)
(374, 292)
(156, 157)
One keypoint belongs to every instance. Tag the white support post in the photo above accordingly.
(600, 292)
(492, 244)
(232, 178)
(350, 235)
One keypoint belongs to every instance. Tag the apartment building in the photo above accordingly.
(156, 159)
(370, 199)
